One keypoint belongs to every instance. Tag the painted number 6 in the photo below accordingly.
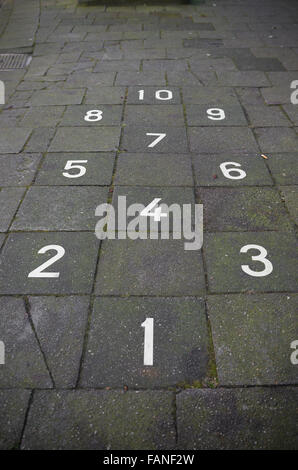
(39, 272)
(268, 268)
(227, 172)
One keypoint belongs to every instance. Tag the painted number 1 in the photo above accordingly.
(148, 324)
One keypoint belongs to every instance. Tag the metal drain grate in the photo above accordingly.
(14, 61)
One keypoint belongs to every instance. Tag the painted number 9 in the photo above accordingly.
(216, 114)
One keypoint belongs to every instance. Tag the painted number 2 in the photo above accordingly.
(148, 324)
(294, 355)
(294, 94)
(268, 268)
(39, 272)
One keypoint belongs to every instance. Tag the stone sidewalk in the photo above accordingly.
(216, 80)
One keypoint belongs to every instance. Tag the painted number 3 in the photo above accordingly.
(268, 268)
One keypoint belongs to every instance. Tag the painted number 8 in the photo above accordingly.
(93, 115)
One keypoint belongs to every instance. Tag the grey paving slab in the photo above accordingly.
(276, 139)
(95, 115)
(249, 78)
(87, 79)
(185, 78)
(211, 96)
(42, 117)
(117, 65)
(60, 323)
(154, 115)
(59, 208)
(57, 97)
(13, 140)
(282, 167)
(281, 78)
(180, 346)
(74, 139)
(264, 323)
(40, 139)
(250, 96)
(140, 78)
(24, 363)
(227, 419)
(14, 405)
(135, 139)
(105, 95)
(277, 94)
(221, 140)
(18, 170)
(89, 169)
(153, 95)
(266, 116)
(225, 262)
(149, 267)
(140, 169)
(108, 420)
(76, 267)
(289, 194)
(292, 112)
(208, 172)
(202, 115)
(10, 199)
(2, 237)
(243, 209)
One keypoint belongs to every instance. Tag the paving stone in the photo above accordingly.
(135, 139)
(264, 324)
(202, 115)
(277, 95)
(117, 65)
(14, 404)
(108, 420)
(135, 169)
(281, 78)
(10, 198)
(40, 139)
(292, 112)
(211, 96)
(18, 170)
(276, 139)
(57, 97)
(250, 96)
(42, 117)
(149, 96)
(75, 139)
(265, 116)
(220, 140)
(75, 115)
(243, 79)
(59, 323)
(87, 79)
(59, 208)
(224, 261)
(289, 193)
(154, 115)
(13, 140)
(185, 78)
(76, 268)
(180, 347)
(281, 166)
(244, 209)
(24, 364)
(208, 172)
(98, 166)
(227, 419)
(148, 267)
(105, 95)
(141, 78)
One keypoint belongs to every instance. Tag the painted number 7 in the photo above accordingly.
(155, 141)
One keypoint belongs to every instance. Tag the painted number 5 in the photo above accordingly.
(268, 268)
(39, 272)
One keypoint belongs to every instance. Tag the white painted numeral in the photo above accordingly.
(141, 95)
(268, 268)
(148, 324)
(216, 114)
(227, 172)
(156, 214)
(2, 92)
(294, 355)
(155, 141)
(294, 95)
(38, 272)
(71, 165)
(168, 95)
(2, 353)
(93, 115)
